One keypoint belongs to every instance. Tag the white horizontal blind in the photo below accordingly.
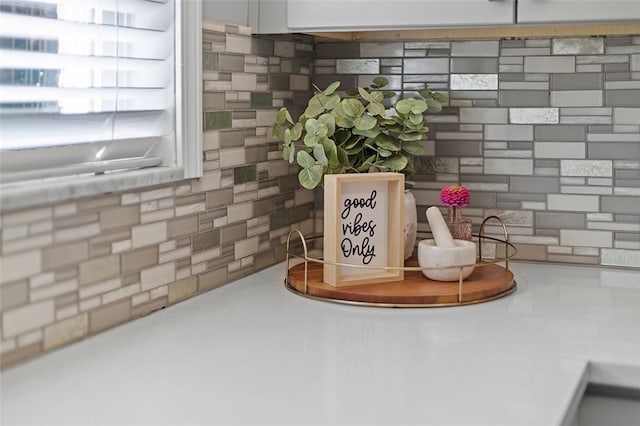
(86, 86)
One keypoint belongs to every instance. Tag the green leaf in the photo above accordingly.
(404, 106)
(413, 148)
(352, 107)
(364, 94)
(343, 157)
(354, 150)
(352, 141)
(341, 136)
(331, 88)
(389, 94)
(433, 105)
(396, 163)
(329, 102)
(341, 118)
(371, 133)
(416, 106)
(376, 108)
(314, 108)
(304, 159)
(406, 137)
(351, 92)
(283, 116)
(287, 137)
(385, 153)
(296, 131)
(286, 152)
(426, 93)
(321, 157)
(440, 97)
(365, 122)
(364, 167)
(276, 131)
(329, 122)
(376, 96)
(387, 142)
(311, 140)
(310, 177)
(330, 150)
(416, 119)
(380, 82)
(316, 128)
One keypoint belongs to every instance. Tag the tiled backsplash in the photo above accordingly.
(545, 133)
(74, 269)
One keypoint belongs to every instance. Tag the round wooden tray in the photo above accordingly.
(487, 282)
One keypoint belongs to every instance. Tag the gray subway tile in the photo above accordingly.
(560, 133)
(483, 115)
(587, 168)
(524, 98)
(228, 62)
(474, 81)
(613, 150)
(426, 66)
(559, 150)
(622, 98)
(626, 115)
(219, 198)
(504, 166)
(337, 50)
(358, 66)
(458, 148)
(508, 132)
(576, 98)
(475, 48)
(474, 65)
(534, 184)
(381, 50)
(624, 205)
(560, 220)
(549, 64)
(205, 240)
(578, 81)
(578, 46)
(262, 47)
(533, 115)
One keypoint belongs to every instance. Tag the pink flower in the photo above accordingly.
(454, 196)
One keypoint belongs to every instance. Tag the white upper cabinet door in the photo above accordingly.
(268, 16)
(543, 11)
(229, 11)
(345, 15)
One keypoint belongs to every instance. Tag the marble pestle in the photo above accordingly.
(439, 229)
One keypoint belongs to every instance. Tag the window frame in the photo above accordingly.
(188, 144)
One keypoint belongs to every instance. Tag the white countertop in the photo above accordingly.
(253, 353)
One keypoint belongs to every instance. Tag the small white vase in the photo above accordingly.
(410, 223)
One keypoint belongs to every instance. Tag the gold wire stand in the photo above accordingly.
(509, 251)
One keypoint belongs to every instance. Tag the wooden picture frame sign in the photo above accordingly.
(363, 225)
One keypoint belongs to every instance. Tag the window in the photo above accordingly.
(92, 88)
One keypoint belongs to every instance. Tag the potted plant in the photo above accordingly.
(356, 133)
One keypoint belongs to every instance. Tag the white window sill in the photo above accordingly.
(50, 191)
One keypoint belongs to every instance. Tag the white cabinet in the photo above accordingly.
(546, 11)
(268, 16)
(345, 15)
(229, 11)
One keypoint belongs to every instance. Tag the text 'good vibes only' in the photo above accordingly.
(355, 224)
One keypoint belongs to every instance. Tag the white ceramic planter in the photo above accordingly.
(432, 256)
